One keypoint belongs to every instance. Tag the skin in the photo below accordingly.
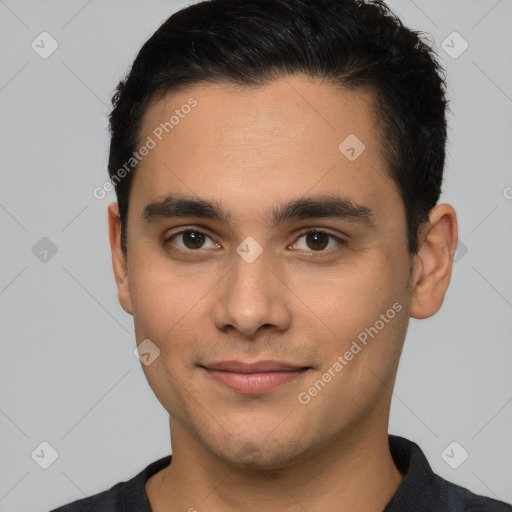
(250, 150)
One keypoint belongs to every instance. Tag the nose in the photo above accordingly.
(251, 297)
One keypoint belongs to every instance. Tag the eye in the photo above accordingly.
(192, 239)
(312, 240)
(317, 241)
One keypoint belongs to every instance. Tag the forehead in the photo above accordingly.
(291, 137)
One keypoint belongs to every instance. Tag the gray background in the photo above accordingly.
(68, 373)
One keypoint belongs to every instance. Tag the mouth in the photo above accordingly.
(254, 378)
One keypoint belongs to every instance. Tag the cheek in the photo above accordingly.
(164, 309)
(171, 309)
(351, 295)
(164, 297)
(362, 310)
(366, 321)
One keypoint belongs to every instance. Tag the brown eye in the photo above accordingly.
(317, 241)
(191, 240)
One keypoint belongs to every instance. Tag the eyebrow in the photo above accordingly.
(315, 207)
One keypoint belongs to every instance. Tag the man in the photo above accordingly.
(277, 165)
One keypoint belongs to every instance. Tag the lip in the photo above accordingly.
(254, 378)
(256, 367)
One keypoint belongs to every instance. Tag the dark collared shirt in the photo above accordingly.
(420, 491)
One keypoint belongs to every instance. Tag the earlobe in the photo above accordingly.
(433, 262)
(119, 263)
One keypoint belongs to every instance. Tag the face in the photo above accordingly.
(275, 272)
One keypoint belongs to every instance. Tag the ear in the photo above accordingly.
(433, 262)
(119, 262)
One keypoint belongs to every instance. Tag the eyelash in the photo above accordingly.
(340, 241)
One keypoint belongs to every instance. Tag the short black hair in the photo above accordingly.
(349, 43)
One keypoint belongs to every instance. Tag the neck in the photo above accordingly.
(355, 473)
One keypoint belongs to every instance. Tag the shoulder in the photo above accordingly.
(462, 499)
(423, 490)
(124, 496)
(103, 501)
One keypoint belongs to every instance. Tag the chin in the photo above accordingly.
(260, 454)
